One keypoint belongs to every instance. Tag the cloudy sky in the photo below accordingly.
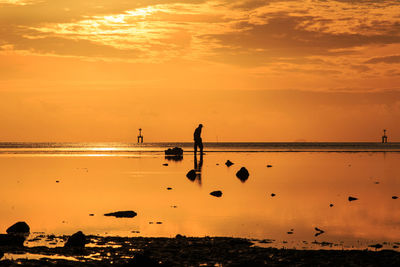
(249, 70)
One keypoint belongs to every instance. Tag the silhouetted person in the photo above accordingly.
(197, 139)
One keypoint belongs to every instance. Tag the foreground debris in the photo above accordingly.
(192, 251)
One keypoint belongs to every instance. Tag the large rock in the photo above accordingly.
(243, 174)
(122, 214)
(191, 175)
(77, 240)
(19, 228)
(12, 240)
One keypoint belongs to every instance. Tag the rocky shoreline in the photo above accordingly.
(184, 251)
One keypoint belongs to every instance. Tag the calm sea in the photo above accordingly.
(127, 148)
(292, 189)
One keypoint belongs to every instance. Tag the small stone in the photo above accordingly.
(165, 164)
(331, 205)
(158, 222)
(122, 214)
(191, 175)
(243, 174)
(216, 193)
(272, 195)
(91, 214)
(77, 240)
(229, 163)
(352, 198)
(290, 233)
(269, 166)
(169, 188)
(57, 181)
(395, 197)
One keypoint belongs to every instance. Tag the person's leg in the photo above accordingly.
(195, 147)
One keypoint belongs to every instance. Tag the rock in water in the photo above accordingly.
(228, 163)
(395, 197)
(19, 228)
(243, 174)
(77, 240)
(176, 151)
(122, 214)
(352, 198)
(216, 193)
(11, 240)
(191, 175)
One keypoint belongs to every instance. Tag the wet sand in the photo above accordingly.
(187, 251)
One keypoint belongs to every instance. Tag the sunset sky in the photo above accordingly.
(248, 70)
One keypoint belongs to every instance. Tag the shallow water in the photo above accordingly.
(304, 183)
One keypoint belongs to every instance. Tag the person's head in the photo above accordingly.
(201, 125)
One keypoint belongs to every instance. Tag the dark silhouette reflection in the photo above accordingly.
(174, 157)
(197, 168)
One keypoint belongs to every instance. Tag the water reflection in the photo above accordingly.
(305, 184)
(197, 167)
(174, 157)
